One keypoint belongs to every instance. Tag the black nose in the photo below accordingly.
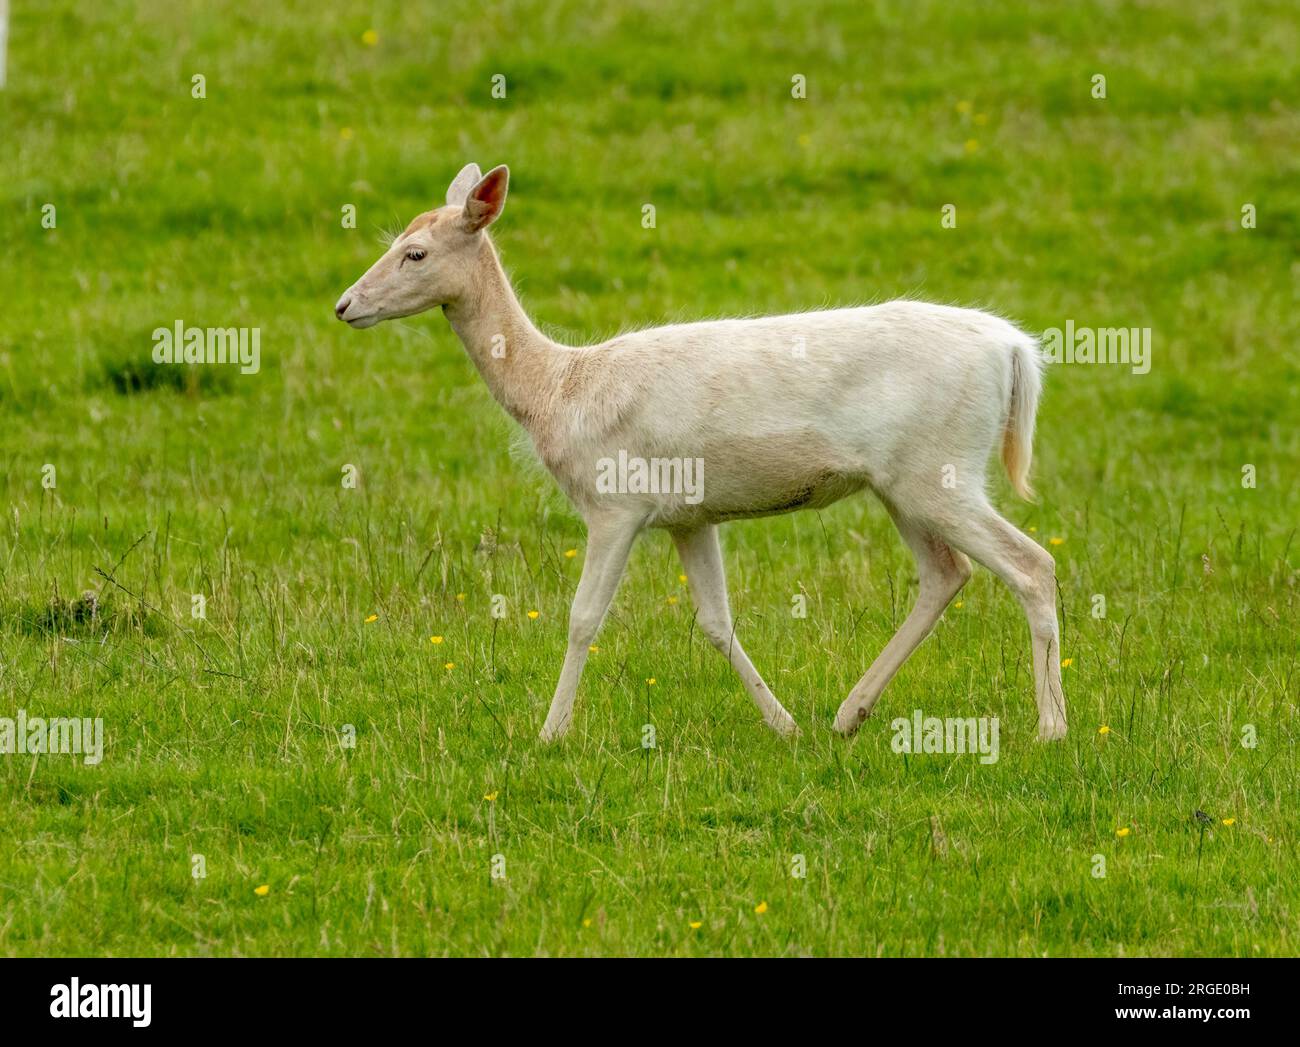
(342, 307)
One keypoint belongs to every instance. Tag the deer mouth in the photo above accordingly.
(347, 304)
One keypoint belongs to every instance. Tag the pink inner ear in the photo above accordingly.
(491, 192)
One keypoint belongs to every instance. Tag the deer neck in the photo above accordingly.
(520, 364)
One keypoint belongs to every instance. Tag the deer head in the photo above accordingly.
(432, 263)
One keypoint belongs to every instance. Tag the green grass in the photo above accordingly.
(224, 737)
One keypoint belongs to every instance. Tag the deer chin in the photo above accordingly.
(360, 323)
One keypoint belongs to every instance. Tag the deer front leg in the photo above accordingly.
(609, 540)
(702, 558)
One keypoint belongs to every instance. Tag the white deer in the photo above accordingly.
(792, 412)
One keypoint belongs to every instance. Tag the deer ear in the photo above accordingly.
(460, 186)
(487, 198)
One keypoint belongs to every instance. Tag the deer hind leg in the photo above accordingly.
(701, 557)
(942, 571)
(1030, 573)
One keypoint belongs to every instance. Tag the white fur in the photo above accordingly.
(906, 399)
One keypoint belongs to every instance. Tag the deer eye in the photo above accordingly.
(415, 254)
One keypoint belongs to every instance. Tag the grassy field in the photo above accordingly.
(227, 739)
